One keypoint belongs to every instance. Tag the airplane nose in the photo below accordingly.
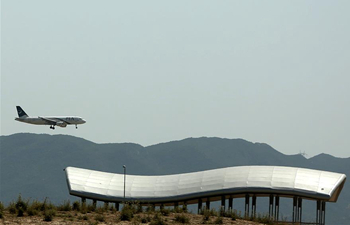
(83, 120)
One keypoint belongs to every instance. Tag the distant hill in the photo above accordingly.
(32, 164)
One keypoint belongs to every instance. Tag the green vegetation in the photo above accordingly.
(66, 206)
(133, 212)
(127, 213)
(100, 218)
(158, 220)
(49, 214)
(83, 217)
(164, 211)
(1, 210)
(76, 206)
(182, 218)
(218, 220)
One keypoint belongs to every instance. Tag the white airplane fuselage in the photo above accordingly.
(61, 121)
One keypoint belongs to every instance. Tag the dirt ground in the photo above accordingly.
(94, 218)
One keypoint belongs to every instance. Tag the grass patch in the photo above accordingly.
(1, 210)
(83, 217)
(218, 220)
(164, 211)
(182, 218)
(65, 206)
(127, 213)
(49, 214)
(157, 220)
(76, 206)
(100, 218)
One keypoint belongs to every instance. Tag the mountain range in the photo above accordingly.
(32, 164)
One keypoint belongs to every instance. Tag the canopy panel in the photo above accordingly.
(259, 180)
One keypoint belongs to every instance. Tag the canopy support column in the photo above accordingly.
(246, 211)
(318, 212)
(184, 206)
(323, 214)
(277, 207)
(230, 203)
(300, 209)
(94, 203)
(176, 206)
(223, 203)
(254, 206)
(200, 205)
(207, 204)
(295, 200)
(117, 206)
(271, 206)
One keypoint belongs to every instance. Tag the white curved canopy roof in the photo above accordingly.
(259, 180)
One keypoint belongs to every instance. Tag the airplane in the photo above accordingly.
(53, 121)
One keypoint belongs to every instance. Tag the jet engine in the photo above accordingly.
(61, 124)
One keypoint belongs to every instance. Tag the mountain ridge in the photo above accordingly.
(32, 164)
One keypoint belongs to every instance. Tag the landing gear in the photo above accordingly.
(52, 127)
(76, 126)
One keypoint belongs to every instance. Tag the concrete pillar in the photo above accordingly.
(295, 199)
(106, 205)
(223, 203)
(246, 210)
(117, 206)
(271, 206)
(323, 212)
(300, 209)
(83, 201)
(318, 212)
(94, 203)
(254, 206)
(230, 203)
(277, 207)
(176, 206)
(207, 204)
(200, 205)
(184, 206)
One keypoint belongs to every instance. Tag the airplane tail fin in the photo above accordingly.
(21, 112)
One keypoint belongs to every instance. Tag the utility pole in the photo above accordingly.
(124, 180)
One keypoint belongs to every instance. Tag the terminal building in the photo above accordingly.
(225, 184)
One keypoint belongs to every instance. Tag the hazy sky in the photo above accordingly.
(147, 72)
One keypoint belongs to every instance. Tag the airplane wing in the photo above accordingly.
(49, 121)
